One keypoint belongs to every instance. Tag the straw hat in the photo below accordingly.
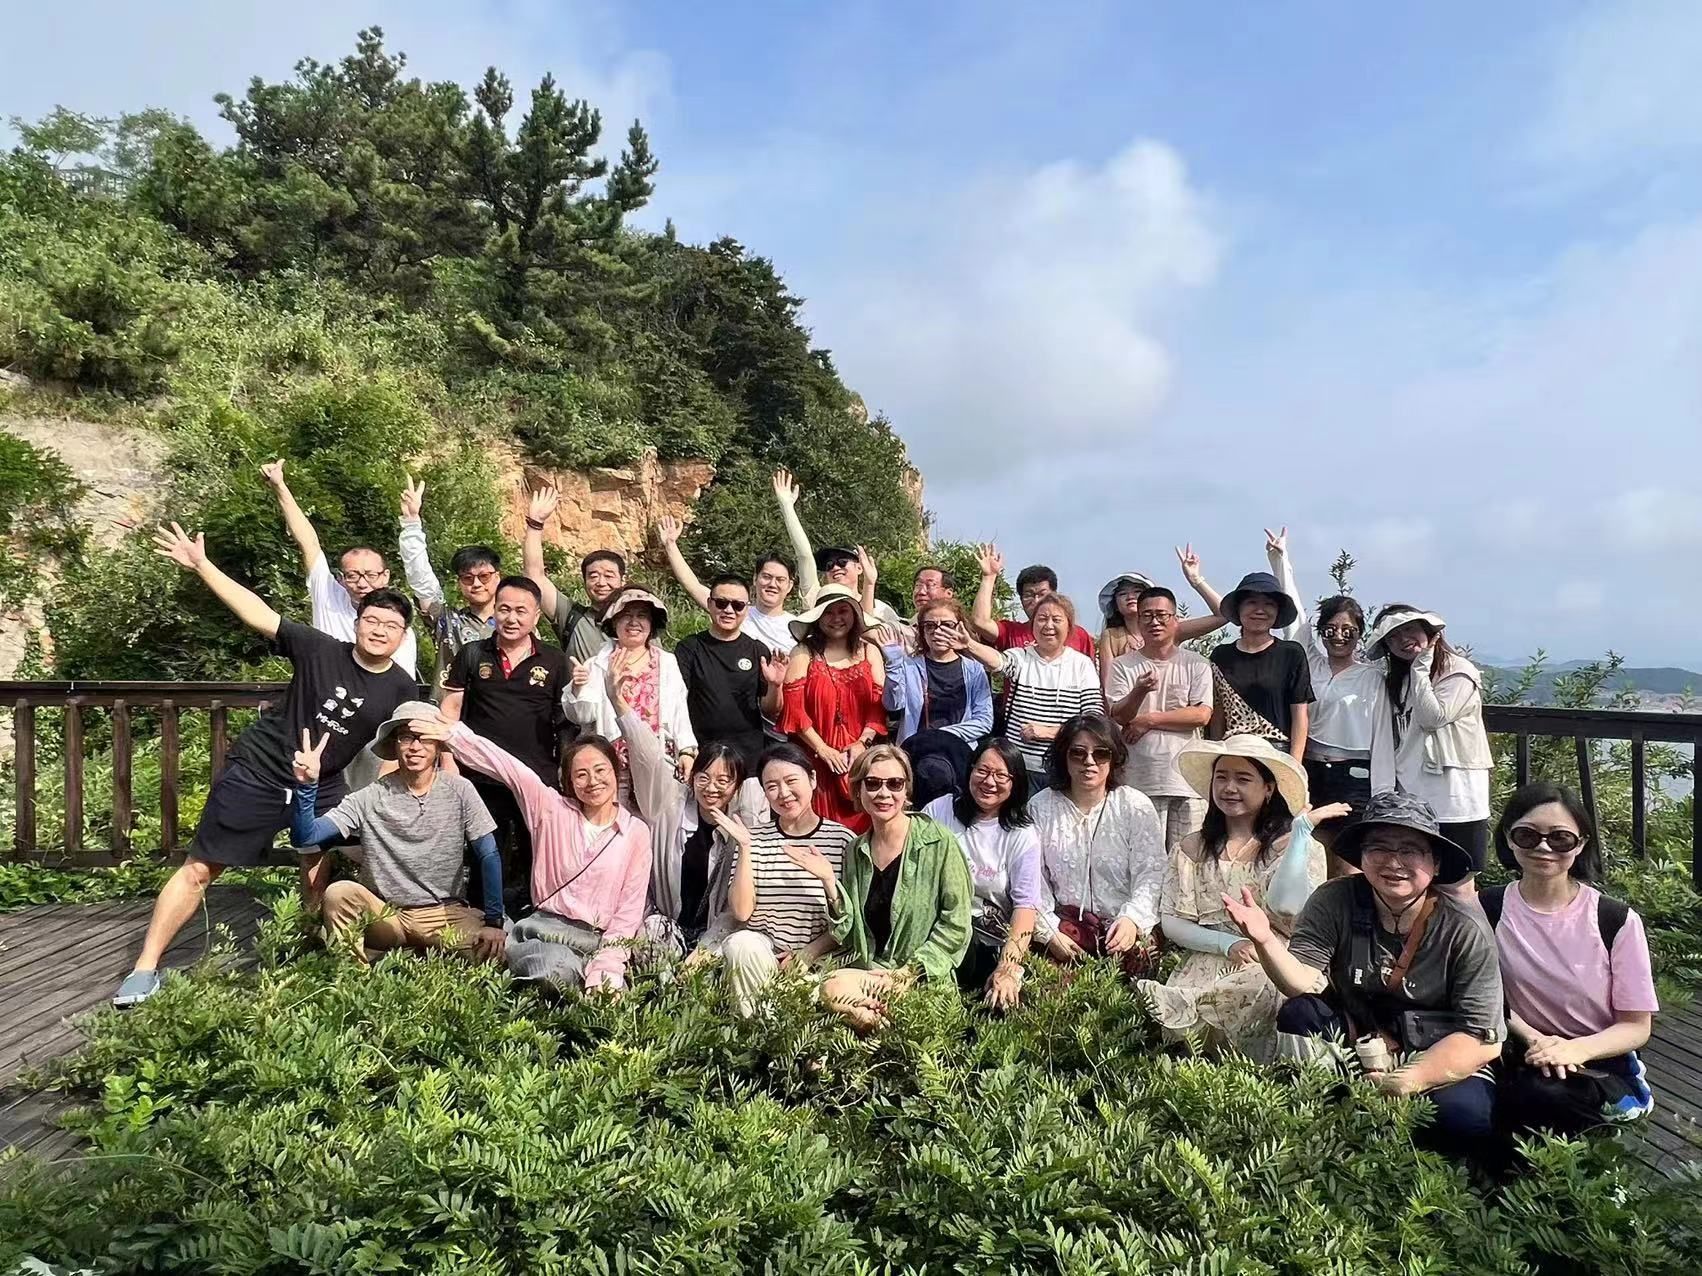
(627, 598)
(826, 596)
(1198, 757)
(1403, 810)
(1393, 619)
(1108, 591)
(384, 743)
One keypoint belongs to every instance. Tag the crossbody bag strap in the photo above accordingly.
(585, 867)
(1409, 950)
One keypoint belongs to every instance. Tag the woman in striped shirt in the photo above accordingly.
(776, 910)
(1046, 684)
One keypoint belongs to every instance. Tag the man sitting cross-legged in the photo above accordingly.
(414, 826)
(342, 690)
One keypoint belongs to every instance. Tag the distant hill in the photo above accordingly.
(1661, 688)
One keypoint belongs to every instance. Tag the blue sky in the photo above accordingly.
(1425, 284)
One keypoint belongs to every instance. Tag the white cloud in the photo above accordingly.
(1653, 518)
(1020, 319)
(1580, 597)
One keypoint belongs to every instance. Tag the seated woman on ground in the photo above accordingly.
(414, 826)
(590, 860)
(691, 859)
(655, 691)
(776, 911)
(991, 822)
(1390, 961)
(1248, 842)
(1575, 965)
(1102, 856)
(901, 906)
(945, 702)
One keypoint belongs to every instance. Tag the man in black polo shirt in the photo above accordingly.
(731, 679)
(508, 688)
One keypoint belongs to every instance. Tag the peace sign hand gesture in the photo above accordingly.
(413, 497)
(308, 758)
(1190, 564)
(1276, 543)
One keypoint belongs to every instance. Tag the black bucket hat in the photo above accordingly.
(1403, 810)
(1259, 583)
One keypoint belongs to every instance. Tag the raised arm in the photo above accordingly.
(191, 554)
(1301, 867)
(416, 563)
(1293, 977)
(668, 536)
(786, 496)
(542, 504)
(305, 829)
(1198, 626)
(301, 528)
(1276, 549)
(981, 619)
(653, 784)
(870, 574)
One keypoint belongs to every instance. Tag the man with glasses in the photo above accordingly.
(732, 680)
(343, 691)
(508, 689)
(336, 598)
(1161, 694)
(476, 568)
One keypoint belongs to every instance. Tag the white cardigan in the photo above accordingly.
(589, 705)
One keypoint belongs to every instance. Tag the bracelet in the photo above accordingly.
(535, 524)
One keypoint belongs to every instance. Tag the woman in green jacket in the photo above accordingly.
(901, 908)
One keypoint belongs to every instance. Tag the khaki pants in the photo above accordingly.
(1178, 817)
(348, 904)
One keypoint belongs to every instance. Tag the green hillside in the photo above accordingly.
(381, 273)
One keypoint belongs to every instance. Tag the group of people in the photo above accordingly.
(872, 801)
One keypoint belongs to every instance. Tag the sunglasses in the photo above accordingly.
(891, 783)
(1080, 754)
(1339, 631)
(728, 604)
(939, 624)
(1560, 841)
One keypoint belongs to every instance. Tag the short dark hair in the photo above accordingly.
(1101, 729)
(1334, 606)
(389, 600)
(364, 549)
(1154, 591)
(470, 556)
(1588, 866)
(945, 575)
(767, 557)
(830, 556)
(602, 556)
(724, 753)
(730, 578)
(1013, 814)
(787, 752)
(1038, 574)
(525, 583)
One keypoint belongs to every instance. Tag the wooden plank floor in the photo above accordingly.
(1671, 1137)
(60, 961)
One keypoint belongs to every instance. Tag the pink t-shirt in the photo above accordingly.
(1557, 972)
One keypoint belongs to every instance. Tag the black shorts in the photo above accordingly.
(244, 815)
(1473, 835)
(1348, 782)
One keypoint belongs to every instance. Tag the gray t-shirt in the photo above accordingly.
(415, 849)
(1455, 969)
(577, 628)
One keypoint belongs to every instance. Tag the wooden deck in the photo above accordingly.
(60, 961)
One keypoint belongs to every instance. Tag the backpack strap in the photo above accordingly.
(1610, 918)
(1491, 900)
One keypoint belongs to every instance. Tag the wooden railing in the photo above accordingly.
(165, 702)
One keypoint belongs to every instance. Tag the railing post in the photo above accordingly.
(1522, 759)
(1586, 778)
(23, 734)
(1639, 815)
(1696, 814)
(219, 722)
(73, 776)
(168, 776)
(122, 807)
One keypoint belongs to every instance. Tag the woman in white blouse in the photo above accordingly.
(1102, 856)
(1350, 695)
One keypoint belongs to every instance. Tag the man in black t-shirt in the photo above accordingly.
(508, 688)
(1269, 674)
(340, 692)
(731, 679)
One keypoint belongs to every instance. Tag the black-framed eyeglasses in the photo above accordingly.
(1079, 753)
(986, 775)
(891, 783)
(1560, 841)
(1147, 617)
(728, 604)
(355, 578)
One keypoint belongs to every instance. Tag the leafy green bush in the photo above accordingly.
(425, 1116)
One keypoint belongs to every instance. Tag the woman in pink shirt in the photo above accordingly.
(590, 861)
(1575, 966)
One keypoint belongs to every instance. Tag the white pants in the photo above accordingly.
(751, 966)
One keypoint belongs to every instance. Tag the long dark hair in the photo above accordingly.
(1274, 818)
(1099, 729)
(1013, 813)
(1396, 679)
(816, 641)
(1588, 866)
